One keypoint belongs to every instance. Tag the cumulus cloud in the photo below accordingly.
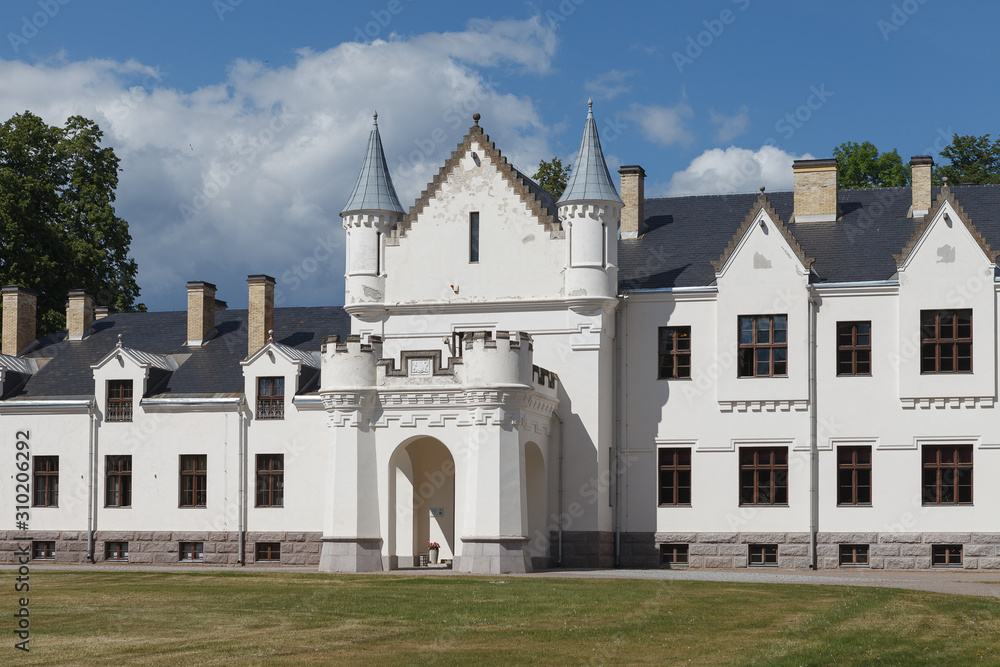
(609, 85)
(663, 125)
(730, 127)
(734, 169)
(249, 175)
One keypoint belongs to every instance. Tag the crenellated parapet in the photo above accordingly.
(348, 376)
(499, 360)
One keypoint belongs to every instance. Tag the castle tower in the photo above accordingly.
(371, 212)
(590, 209)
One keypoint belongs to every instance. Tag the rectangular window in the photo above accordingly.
(194, 480)
(764, 554)
(378, 253)
(45, 550)
(473, 237)
(268, 552)
(673, 554)
(119, 401)
(46, 480)
(675, 476)
(675, 352)
(270, 480)
(192, 551)
(852, 555)
(854, 348)
(116, 551)
(946, 341)
(854, 475)
(271, 398)
(763, 476)
(947, 474)
(763, 348)
(118, 481)
(946, 555)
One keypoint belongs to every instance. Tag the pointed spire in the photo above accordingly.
(590, 180)
(373, 191)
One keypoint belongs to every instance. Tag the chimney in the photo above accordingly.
(101, 312)
(815, 190)
(201, 312)
(920, 184)
(19, 305)
(633, 196)
(260, 318)
(220, 305)
(79, 314)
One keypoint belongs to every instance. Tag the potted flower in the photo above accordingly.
(433, 549)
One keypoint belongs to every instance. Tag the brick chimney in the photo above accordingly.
(101, 312)
(634, 198)
(19, 307)
(260, 318)
(815, 190)
(201, 312)
(921, 166)
(79, 314)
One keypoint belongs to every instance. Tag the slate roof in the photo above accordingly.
(209, 370)
(589, 180)
(685, 234)
(373, 190)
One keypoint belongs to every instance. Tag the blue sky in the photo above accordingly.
(241, 124)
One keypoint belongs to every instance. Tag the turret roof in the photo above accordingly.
(590, 180)
(373, 191)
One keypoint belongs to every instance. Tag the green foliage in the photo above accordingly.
(862, 166)
(552, 176)
(58, 227)
(973, 160)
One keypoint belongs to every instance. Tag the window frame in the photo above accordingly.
(754, 346)
(271, 549)
(119, 406)
(941, 471)
(762, 555)
(674, 555)
(853, 348)
(940, 342)
(856, 468)
(191, 552)
(116, 551)
(47, 547)
(950, 555)
(778, 474)
(853, 555)
(197, 479)
(474, 230)
(270, 481)
(270, 403)
(45, 481)
(123, 478)
(677, 467)
(674, 354)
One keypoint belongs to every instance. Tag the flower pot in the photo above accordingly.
(434, 556)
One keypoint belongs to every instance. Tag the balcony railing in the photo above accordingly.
(271, 408)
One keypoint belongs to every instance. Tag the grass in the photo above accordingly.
(220, 618)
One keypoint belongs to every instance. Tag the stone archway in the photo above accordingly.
(537, 499)
(421, 501)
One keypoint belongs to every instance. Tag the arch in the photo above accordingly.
(537, 504)
(422, 505)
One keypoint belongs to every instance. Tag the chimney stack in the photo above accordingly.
(101, 312)
(260, 318)
(634, 198)
(815, 190)
(201, 312)
(79, 314)
(19, 307)
(920, 184)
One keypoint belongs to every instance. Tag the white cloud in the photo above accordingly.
(249, 175)
(663, 125)
(609, 85)
(730, 127)
(718, 171)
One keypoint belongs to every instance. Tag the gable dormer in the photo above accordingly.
(274, 374)
(124, 376)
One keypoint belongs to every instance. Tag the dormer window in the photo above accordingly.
(271, 398)
(119, 408)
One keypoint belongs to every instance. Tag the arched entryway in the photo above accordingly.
(421, 501)
(536, 500)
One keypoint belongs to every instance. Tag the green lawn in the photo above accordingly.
(274, 617)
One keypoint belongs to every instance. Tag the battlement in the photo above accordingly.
(350, 363)
(504, 358)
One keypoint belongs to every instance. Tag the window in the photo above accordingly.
(271, 398)
(946, 341)
(764, 554)
(946, 555)
(473, 237)
(947, 474)
(675, 352)
(116, 551)
(118, 481)
(119, 401)
(194, 480)
(43, 550)
(853, 555)
(268, 552)
(763, 476)
(270, 480)
(675, 476)
(46, 481)
(854, 348)
(192, 551)
(763, 350)
(854, 475)
(673, 554)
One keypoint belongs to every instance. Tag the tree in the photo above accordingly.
(862, 166)
(58, 227)
(552, 176)
(973, 160)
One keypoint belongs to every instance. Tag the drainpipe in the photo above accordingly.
(91, 499)
(619, 408)
(241, 500)
(813, 444)
(559, 523)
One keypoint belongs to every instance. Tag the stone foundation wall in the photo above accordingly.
(583, 548)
